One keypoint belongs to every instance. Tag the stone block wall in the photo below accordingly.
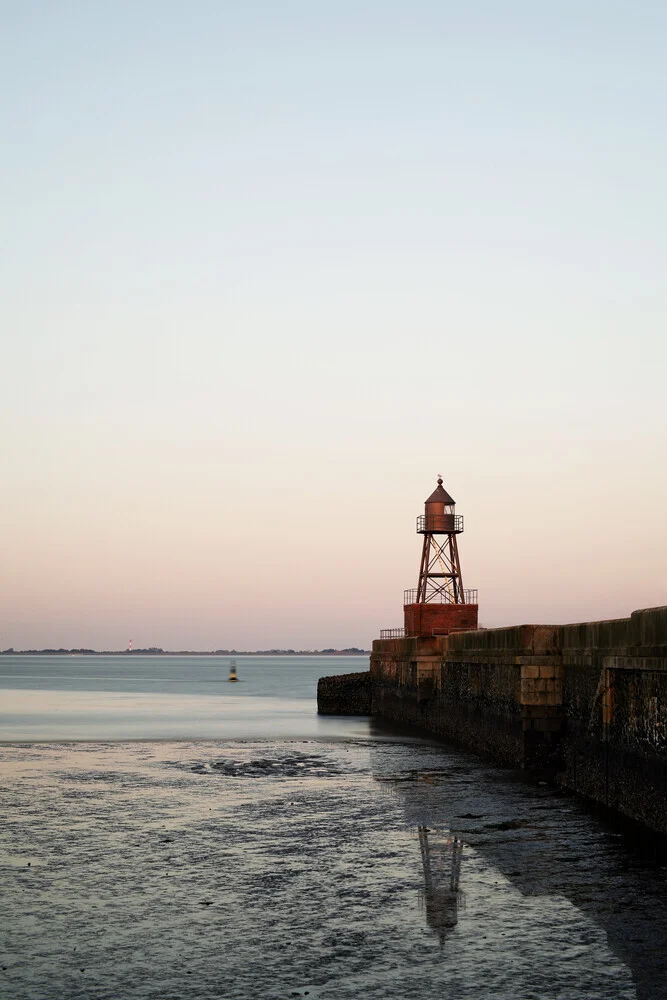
(615, 705)
(588, 701)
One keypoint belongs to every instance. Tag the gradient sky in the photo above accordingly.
(269, 268)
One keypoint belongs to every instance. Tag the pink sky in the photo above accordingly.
(267, 276)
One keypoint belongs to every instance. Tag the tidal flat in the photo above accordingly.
(328, 868)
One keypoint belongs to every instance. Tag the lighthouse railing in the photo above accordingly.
(440, 524)
(441, 597)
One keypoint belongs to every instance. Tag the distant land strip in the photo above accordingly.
(156, 651)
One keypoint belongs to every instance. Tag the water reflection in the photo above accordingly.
(543, 848)
(441, 897)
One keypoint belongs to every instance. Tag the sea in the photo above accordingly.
(167, 835)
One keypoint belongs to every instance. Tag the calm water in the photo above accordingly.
(287, 856)
(166, 697)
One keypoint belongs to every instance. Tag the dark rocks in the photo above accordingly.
(344, 694)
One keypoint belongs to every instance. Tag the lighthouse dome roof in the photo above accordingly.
(440, 495)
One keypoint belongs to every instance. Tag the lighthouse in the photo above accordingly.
(439, 604)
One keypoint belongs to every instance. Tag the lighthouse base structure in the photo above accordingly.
(439, 619)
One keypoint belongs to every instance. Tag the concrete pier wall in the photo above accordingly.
(496, 691)
(587, 702)
(615, 713)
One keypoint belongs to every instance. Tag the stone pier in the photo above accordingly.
(586, 703)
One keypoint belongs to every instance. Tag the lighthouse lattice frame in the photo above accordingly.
(440, 577)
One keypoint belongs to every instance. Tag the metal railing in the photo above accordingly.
(441, 597)
(406, 633)
(440, 523)
(392, 633)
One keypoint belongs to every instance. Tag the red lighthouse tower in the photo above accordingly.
(439, 605)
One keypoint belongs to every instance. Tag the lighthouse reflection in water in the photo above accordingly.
(441, 896)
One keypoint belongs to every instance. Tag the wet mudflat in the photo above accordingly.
(328, 869)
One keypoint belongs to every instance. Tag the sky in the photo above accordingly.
(266, 269)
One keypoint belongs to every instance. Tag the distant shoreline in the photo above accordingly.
(352, 651)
